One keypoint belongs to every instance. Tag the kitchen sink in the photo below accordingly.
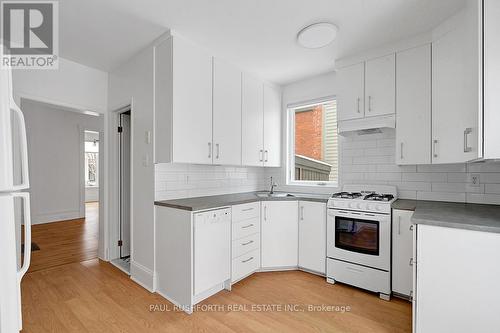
(267, 194)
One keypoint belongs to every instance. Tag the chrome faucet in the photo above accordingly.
(273, 185)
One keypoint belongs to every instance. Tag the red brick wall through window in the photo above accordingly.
(309, 133)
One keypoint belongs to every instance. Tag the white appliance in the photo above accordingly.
(359, 237)
(10, 275)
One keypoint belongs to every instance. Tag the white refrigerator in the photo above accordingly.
(10, 191)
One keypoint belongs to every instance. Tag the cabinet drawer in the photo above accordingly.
(246, 228)
(245, 265)
(359, 276)
(246, 244)
(246, 211)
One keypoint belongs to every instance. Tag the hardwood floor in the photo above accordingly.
(94, 296)
(66, 241)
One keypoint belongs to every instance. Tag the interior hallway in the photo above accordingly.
(66, 242)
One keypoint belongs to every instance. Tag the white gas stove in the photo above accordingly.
(359, 237)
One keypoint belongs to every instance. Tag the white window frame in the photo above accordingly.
(290, 146)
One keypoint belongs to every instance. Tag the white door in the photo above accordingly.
(279, 234)
(455, 92)
(252, 121)
(413, 105)
(212, 249)
(350, 99)
(10, 276)
(380, 86)
(192, 104)
(272, 126)
(125, 204)
(226, 114)
(402, 252)
(312, 236)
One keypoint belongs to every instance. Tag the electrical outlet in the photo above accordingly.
(474, 179)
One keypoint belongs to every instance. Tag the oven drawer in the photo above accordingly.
(246, 228)
(358, 276)
(246, 244)
(245, 265)
(246, 211)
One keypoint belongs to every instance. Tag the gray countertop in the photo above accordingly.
(453, 215)
(214, 201)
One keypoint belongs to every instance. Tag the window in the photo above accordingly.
(313, 144)
(91, 163)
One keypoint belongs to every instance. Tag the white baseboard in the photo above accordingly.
(56, 217)
(142, 275)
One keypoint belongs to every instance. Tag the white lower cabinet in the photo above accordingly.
(312, 236)
(245, 240)
(402, 252)
(457, 285)
(279, 234)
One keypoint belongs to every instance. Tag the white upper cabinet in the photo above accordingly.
(456, 102)
(350, 99)
(380, 86)
(272, 126)
(183, 103)
(226, 114)
(491, 79)
(413, 105)
(252, 141)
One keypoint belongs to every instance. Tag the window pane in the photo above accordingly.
(316, 142)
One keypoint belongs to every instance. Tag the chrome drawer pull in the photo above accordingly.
(247, 209)
(244, 261)
(247, 226)
(247, 243)
(411, 262)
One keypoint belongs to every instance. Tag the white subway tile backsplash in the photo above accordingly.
(482, 198)
(441, 196)
(492, 188)
(424, 177)
(441, 168)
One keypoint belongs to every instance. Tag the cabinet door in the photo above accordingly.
(252, 126)
(226, 114)
(350, 99)
(380, 86)
(455, 91)
(312, 236)
(279, 234)
(402, 252)
(413, 102)
(192, 104)
(272, 126)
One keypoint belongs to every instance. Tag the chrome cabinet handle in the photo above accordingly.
(369, 103)
(261, 155)
(247, 209)
(217, 148)
(435, 142)
(302, 213)
(359, 101)
(467, 131)
(210, 150)
(265, 213)
(399, 225)
(411, 227)
(247, 226)
(244, 261)
(411, 262)
(247, 243)
(266, 155)
(401, 150)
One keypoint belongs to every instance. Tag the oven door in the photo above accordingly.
(359, 238)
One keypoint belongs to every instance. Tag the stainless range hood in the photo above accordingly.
(367, 124)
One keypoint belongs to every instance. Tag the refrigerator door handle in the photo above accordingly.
(24, 149)
(27, 233)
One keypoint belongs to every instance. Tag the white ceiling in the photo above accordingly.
(258, 35)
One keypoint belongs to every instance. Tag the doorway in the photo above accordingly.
(124, 188)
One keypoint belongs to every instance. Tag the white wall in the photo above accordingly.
(132, 83)
(72, 85)
(55, 153)
(91, 194)
(370, 159)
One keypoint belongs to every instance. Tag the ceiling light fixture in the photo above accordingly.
(317, 35)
